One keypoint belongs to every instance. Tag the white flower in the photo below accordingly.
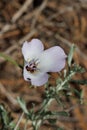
(39, 61)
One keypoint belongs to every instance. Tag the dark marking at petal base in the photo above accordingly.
(29, 79)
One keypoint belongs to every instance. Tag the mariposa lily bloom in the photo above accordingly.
(37, 61)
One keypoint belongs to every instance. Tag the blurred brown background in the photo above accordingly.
(54, 22)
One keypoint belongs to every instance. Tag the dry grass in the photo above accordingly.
(55, 22)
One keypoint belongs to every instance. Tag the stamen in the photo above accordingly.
(32, 66)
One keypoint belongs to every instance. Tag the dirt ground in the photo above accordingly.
(54, 22)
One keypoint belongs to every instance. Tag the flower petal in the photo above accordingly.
(35, 79)
(52, 60)
(32, 49)
(39, 81)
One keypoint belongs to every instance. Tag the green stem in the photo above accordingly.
(46, 104)
(37, 124)
(65, 81)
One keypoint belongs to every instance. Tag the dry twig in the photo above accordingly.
(21, 10)
(38, 12)
(68, 44)
(8, 95)
(19, 120)
(16, 16)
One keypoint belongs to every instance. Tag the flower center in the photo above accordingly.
(32, 66)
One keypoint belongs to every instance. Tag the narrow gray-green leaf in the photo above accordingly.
(70, 55)
(22, 105)
(8, 58)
